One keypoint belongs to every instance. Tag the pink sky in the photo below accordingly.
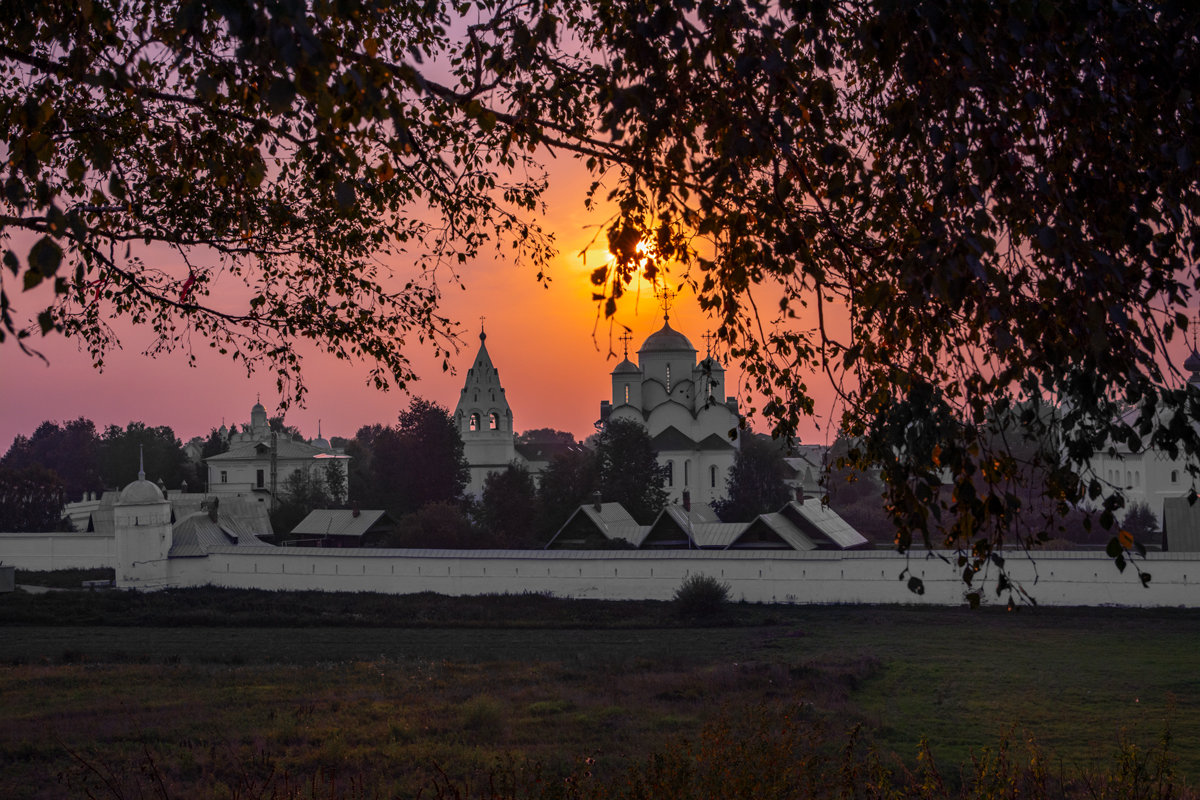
(555, 373)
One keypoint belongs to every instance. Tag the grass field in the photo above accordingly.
(400, 695)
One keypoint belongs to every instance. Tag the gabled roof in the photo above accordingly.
(1181, 525)
(715, 442)
(699, 527)
(343, 522)
(198, 534)
(823, 525)
(611, 520)
(767, 527)
(672, 438)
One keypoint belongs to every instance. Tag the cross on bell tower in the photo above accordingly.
(625, 338)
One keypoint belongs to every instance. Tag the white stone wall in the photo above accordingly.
(46, 551)
(815, 577)
(872, 577)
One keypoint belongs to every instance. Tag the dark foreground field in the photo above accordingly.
(251, 694)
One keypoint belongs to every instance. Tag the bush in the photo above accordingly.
(701, 595)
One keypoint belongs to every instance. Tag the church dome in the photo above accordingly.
(1192, 363)
(626, 367)
(139, 493)
(666, 339)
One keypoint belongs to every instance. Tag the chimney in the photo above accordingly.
(800, 495)
(596, 500)
(213, 503)
(687, 501)
(355, 513)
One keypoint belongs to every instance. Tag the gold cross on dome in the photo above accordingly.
(625, 338)
(664, 299)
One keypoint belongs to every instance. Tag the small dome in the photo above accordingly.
(667, 339)
(139, 493)
(710, 364)
(626, 367)
(321, 443)
(1192, 363)
(258, 408)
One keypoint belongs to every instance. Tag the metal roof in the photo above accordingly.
(782, 527)
(341, 522)
(198, 534)
(284, 448)
(816, 519)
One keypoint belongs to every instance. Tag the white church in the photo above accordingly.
(680, 401)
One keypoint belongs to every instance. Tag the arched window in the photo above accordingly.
(1137, 477)
(670, 473)
(627, 393)
(1174, 476)
(475, 422)
(668, 378)
(712, 477)
(493, 421)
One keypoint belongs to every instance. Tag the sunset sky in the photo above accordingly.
(552, 354)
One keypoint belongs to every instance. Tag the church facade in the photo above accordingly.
(681, 402)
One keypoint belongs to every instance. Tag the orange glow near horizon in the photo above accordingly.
(552, 345)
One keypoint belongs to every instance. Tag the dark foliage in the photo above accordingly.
(71, 450)
(509, 508)
(31, 501)
(756, 482)
(628, 471)
(405, 467)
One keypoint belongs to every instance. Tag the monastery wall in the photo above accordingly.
(1071, 579)
(874, 577)
(47, 551)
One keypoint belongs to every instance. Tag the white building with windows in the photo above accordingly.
(1149, 475)
(259, 461)
(682, 404)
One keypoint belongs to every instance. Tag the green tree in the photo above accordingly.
(31, 500)
(161, 454)
(403, 467)
(434, 469)
(335, 483)
(509, 508)
(567, 482)
(437, 525)
(303, 491)
(70, 450)
(756, 482)
(545, 436)
(628, 471)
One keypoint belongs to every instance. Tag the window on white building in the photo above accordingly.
(1174, 476)
(670, 473)
(668, 378)
(627, 393)
(493, 421)
(712, 477)
(687, 473)
(224, 476)
(259, 478)
(474, 422)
